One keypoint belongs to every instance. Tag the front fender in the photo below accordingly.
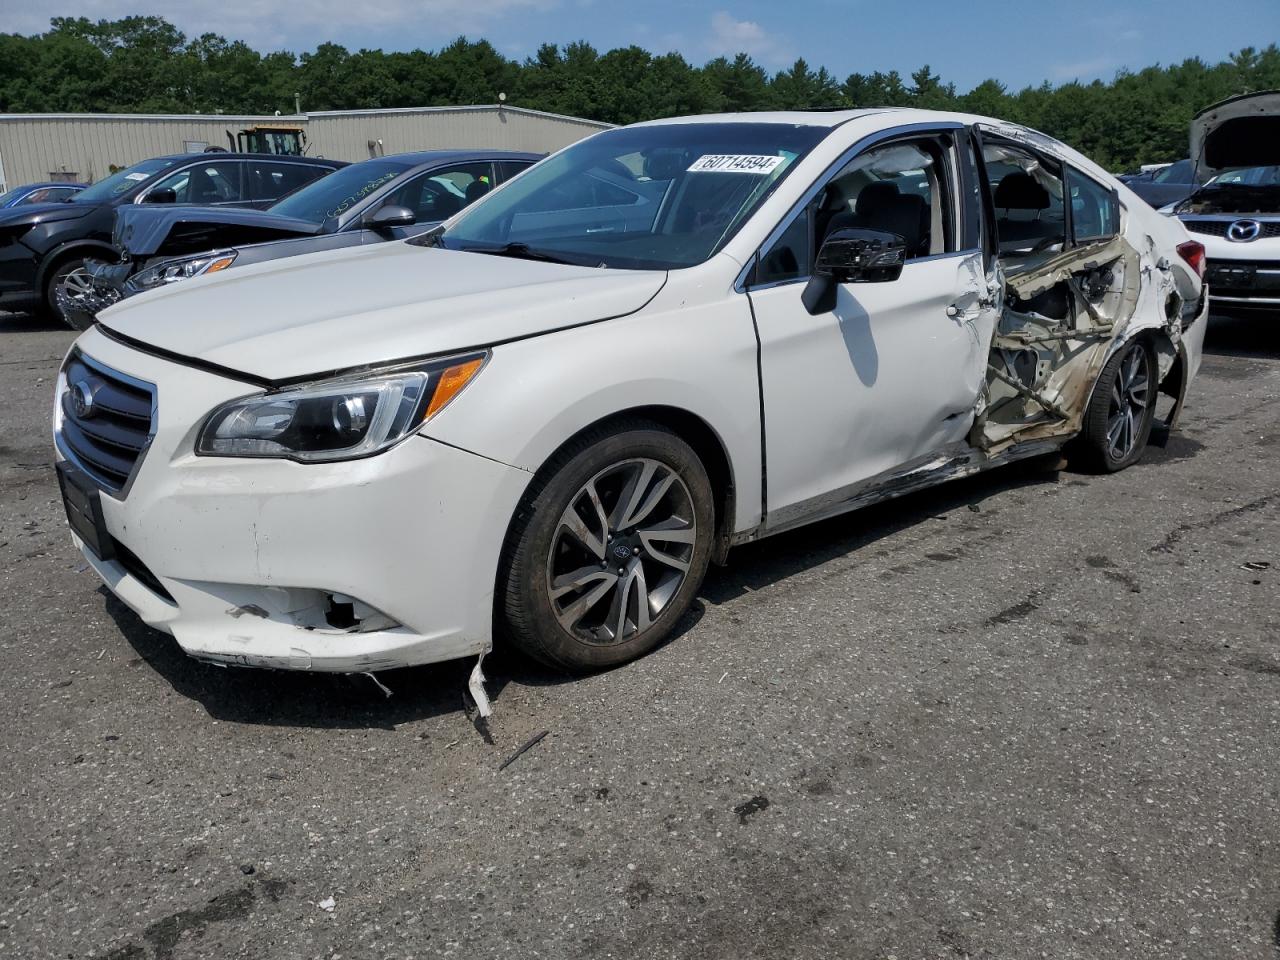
(537, 393)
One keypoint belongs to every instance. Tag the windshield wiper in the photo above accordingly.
(521, 251)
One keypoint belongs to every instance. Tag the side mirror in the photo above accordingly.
(162, 195)
(392, 215)
(852, 256)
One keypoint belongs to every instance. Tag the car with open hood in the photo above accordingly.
(46, 247)
(542, 420)
(386, 198)
(1236, 214)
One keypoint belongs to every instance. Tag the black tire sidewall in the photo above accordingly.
(1095, 432)
(530, 618)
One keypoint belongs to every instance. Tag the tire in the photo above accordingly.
(62, 272)
(1118, 421)
(571, 590)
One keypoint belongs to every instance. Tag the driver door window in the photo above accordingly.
(899, 189)
(205, 184)
(442, 192)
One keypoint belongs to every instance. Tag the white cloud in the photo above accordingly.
(266, 24)
(731, 36)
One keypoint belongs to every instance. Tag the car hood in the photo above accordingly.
(44, 212)
(141, 230)
(1243, 131)
(315, 314)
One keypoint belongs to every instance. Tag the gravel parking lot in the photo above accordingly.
(1028, 715)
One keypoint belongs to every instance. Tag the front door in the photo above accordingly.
(892, 375)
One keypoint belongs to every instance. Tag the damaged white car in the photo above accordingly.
(1236, 213)
(546, 418)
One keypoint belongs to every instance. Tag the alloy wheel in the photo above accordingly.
(621, 551)
(1130, 394)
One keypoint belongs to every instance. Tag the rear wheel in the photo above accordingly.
(1118, 421)
(608, 551)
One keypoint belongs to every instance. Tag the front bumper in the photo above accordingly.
(355, 566)
(1243, 283)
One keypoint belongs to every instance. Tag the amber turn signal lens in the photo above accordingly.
(220, 264)
(452, 380)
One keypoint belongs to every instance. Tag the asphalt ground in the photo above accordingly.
(1026, 715)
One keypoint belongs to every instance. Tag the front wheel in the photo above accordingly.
(70, 294)
(1118, 421)
(608, 549)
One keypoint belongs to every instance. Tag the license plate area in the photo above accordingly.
(1232, 277)
(82, 500)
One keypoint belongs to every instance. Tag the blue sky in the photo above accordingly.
(1018, 43)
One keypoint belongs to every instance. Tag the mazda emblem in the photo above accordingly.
(1242, 231)
(82, 400)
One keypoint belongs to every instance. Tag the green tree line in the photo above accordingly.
(145, 64)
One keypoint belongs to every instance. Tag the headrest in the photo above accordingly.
(875, 198)
(1021, 191)
(476, 189)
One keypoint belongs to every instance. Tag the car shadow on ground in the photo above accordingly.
(30, 323)
(1243, 335)
(352, 701)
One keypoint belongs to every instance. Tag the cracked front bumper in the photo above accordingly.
(236, 557)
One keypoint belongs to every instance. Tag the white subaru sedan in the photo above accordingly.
(543, 420)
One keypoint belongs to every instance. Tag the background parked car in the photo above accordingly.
(1164, 186)
(53, 192)
(387, 198)
(1236, 214)
(45, 246)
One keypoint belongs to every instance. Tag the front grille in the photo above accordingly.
(107, 435)
(1218, 228)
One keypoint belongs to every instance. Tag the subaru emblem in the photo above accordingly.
(1242, 231)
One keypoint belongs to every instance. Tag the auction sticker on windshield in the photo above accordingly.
(734, 163)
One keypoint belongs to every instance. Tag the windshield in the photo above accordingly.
(335, 194)
(122, 181)
(1248, 176)
(1179, 172)
(652, 197)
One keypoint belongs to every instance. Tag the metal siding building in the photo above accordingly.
(36, 147)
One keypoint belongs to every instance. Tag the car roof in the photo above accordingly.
(230, 155)
(810, 118)
(420, 157)
(51, 183)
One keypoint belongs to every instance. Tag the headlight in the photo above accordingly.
(183, 268)
(336, 419)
